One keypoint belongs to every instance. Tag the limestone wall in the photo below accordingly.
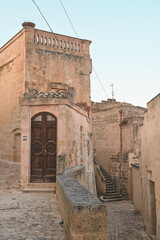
(38, 59)
(151, 166)
(137, 187)
(106, 139)
(84, 216)
(12, 77)
(57, 58)
(74, 138)
(100, 180)
(48, 72)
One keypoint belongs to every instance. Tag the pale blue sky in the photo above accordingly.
(125, 37)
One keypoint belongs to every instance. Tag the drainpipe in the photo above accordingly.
(121, 153)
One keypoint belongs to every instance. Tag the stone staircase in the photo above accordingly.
(111, 193)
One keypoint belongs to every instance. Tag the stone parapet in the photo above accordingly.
(61, 43)
(84, 216)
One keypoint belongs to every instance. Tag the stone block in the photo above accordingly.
(84, 216)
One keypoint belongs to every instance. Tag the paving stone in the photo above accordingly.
(26, 216)
(35, 216)
(125, 223)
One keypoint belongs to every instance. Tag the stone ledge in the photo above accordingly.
(73, 171)
(84, 216)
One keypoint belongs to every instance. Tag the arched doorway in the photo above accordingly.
(43, 147)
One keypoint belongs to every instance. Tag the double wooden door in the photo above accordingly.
(43, 147)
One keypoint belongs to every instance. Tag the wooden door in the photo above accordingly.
(43, 147)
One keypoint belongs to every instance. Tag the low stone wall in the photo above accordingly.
(77, 172)
(84, 216)
(100, 180)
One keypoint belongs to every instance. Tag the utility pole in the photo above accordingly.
(112, 85)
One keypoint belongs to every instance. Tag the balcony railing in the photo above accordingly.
(56, 42)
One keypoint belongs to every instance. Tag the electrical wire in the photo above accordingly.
(78, 37)
(69, 19)
(75, 34)
(100, 81)
(69, 60)
(42, 15)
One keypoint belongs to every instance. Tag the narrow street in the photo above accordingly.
(26, 216)
(35, 216)
(125, 223)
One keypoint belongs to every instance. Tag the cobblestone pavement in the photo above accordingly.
(125, 223)
(35, 216)
(26, 216)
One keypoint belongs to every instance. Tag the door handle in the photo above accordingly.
(44, 152)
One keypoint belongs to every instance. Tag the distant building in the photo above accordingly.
(117, 140)
(45, 105)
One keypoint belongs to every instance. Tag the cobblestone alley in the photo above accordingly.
(125, 223)
(27, 216)
(35, 216)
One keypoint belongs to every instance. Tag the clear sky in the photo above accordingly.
(125, 37)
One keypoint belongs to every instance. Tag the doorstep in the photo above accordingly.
(40, 187)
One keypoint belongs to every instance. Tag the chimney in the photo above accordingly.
(28, 24)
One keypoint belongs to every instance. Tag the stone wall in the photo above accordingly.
(151, 166)
(137, 187)
(106, 139)
(100, 180)
(47, 72)
(57, 58)
(84, 216)
(12, 77)
(38, 59)
(74, 138)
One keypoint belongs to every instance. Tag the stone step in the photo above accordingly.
(110, 188)
(109, 184)
(108, 180)
(40, 187)
(38, 190)
(111, 191)
(112, 194)
(112, 200)
(106, 177)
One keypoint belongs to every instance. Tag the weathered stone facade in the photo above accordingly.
(46, 72)
(150, 167)
(107, 142)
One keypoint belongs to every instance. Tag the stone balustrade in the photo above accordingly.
(84, 216)
(57, 41)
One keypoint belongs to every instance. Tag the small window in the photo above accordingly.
(50, 118)
(38, 118)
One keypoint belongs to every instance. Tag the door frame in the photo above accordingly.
(42, 113)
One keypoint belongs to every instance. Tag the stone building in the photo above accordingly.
(151, 168)
(117, 140)
(45, 105)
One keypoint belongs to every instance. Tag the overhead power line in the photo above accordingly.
(42, 15)
(74, 32)
(68, 18)
(100, 82)
(50, 28)
(78, 37)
